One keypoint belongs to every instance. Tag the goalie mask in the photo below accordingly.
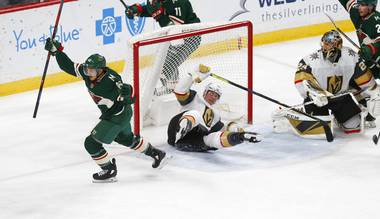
(212, 93)
(331, 45)
(94, 65)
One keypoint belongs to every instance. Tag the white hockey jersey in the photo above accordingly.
(191, 100)
(333, 77)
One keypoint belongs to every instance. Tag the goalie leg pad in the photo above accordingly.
(374, 106)
(344, 108)
(353, 125)
(306, 127)
(279, 121)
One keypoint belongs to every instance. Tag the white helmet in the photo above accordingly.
(213, 87)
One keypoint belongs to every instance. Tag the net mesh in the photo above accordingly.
(162, 63)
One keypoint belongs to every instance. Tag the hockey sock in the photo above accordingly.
(97, 152)
(229, 139)
(140, 145)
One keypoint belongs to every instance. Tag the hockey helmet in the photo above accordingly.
(367, 2)
(214, 88)
(331, 44)
(94, 61)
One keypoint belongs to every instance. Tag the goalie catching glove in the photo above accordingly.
(53, 46)
(126, 94)
(316, 94)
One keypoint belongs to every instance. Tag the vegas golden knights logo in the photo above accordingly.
(334, 84)
(208, 116)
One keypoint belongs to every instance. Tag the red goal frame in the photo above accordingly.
(136, 46)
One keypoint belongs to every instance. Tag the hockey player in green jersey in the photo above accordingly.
(169, 12)
(114, 99)
(367, 24)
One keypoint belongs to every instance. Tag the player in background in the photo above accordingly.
(198, 128)
(166, 13)
(367, 24)
(114, 99)
(329, 77)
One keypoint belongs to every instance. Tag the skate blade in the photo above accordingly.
(165, 161)
(110, 180)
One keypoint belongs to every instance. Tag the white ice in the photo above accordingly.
(46, 172)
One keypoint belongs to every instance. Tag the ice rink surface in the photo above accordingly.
(47, 172)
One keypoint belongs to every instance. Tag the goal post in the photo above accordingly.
(226, 47)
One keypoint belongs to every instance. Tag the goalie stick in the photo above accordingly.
(47, 61)
(328, 132)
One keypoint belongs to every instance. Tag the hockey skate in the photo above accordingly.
(160, 157)
(107, 175)
(252, 137)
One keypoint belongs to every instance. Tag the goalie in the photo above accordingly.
(166, 13)
(327, 79)
(198, 128)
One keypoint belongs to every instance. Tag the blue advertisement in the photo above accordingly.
(108, 26)
(24, 41)
(135, 25)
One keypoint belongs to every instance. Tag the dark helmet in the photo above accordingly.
(331, 44)
(95, 61)
(368, 2)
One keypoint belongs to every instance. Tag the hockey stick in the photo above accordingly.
(125, 5)
(375, 138)
(47, 61)
(328, 132)
(341, 32)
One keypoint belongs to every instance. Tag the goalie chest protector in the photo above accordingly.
(333, 77)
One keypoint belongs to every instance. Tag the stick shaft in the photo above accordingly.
(341, 32)
(326, 127)
(125, 5)
(47, 61)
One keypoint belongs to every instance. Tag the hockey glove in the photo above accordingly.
(126, 94)
(53, 46)
(201, 73)
(133, 10)
(365, 52)
(155, 9)
(317, 95)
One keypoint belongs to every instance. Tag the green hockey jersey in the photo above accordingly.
(367, 29)
(105, 90)
(176, 11)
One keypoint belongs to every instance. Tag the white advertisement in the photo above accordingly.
(270, 15)
(88, 27)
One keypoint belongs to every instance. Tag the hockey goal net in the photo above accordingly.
(156, 61)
